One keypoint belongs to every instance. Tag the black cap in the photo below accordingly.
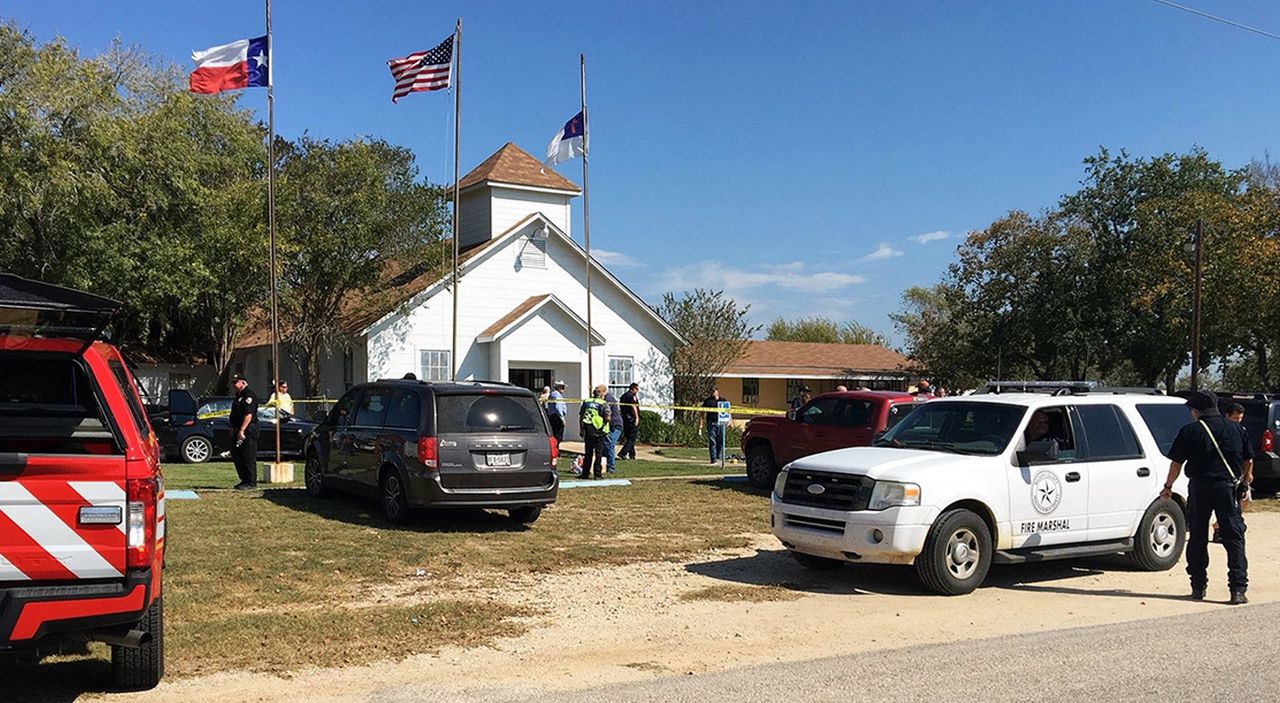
(805, 389)
(235, 378)
(1204, 402)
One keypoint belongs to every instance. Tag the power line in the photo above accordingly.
(1216, 18)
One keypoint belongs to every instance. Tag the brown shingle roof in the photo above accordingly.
(401, 280)
(514, 165)
(522, 308)
(813, 359)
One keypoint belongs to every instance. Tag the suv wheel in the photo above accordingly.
(956, 554)
(809, 561)
(761, 470)
(526, 515)
(196, 449)
(1161, 537)
(395, 504)
(141, 668)
(313, 477)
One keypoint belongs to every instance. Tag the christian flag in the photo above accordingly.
(568, 142)
(240, 64)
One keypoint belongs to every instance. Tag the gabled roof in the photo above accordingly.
(515, 166)
(400, 282)
(530, 307)
(816, 360)
(403, 283)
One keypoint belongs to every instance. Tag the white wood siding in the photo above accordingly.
(509, 206)
(492, 289)
(474, 222)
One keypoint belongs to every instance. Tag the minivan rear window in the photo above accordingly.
(1164, 420)
(473, 414)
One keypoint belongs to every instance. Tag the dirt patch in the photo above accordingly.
(608, 624)
(742, 594)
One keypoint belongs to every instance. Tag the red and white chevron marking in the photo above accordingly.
(40, 538)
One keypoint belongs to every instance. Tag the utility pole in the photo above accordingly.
(1195, 306)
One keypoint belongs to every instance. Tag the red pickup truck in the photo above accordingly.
(81, 498)
(829, 421)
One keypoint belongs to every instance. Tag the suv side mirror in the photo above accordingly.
(791, 413)
(1043, 451)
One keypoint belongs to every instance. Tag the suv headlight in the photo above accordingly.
(780, 483)
(891, 494)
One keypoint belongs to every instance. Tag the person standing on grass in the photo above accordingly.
(556, 411)
(630, 420)
(244, 433)
(594, 420)
(715, 433)
(615, 429)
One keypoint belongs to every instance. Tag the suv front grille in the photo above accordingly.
(838, 491)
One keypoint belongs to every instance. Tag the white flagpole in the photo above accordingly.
(271, 228)
(457, 129)
(586, 215)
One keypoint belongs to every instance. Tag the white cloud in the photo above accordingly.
(793, 276)
(934, 236)
(613, 258)
(882, 252)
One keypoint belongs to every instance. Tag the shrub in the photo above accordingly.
(682, 432)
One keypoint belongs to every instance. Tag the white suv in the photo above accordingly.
(963, 482)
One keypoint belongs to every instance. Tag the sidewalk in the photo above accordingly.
(645, 452)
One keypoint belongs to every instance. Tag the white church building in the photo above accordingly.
(522, 304)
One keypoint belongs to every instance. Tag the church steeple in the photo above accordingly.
(504, 189)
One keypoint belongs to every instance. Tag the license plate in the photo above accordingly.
(498, 459)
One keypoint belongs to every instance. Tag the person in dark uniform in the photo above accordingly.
(1217, 454)
(715, 433)
(244, 434)
(630, 421)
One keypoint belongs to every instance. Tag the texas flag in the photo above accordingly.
(240, 64)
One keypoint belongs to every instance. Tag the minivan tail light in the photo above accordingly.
(1268, 440)
(140, 522)
(429, 452)
(555, 450)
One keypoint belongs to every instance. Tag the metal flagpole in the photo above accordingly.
(586, 214)
(457, 129)
(271, 226)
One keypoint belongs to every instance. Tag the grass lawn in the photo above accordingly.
(639, 468)
(273, 579)
(695, 453)
(215, 474)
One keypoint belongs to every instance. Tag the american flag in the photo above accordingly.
(421, 71)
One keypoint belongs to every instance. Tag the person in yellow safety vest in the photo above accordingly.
(281, 398)
(593, 418)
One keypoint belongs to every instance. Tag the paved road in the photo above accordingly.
(1226, 655)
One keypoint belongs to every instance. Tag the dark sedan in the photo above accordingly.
(197, 432)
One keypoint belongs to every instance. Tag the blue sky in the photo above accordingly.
(807, 157)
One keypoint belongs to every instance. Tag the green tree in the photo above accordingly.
(116, 180)
(931, 322)
(349, 211)
(1138, 214)
(717, 332)
(822, 329)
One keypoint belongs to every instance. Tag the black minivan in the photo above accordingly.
(416, 444)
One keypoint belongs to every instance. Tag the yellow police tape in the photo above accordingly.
(698, 409)
(576, 401)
